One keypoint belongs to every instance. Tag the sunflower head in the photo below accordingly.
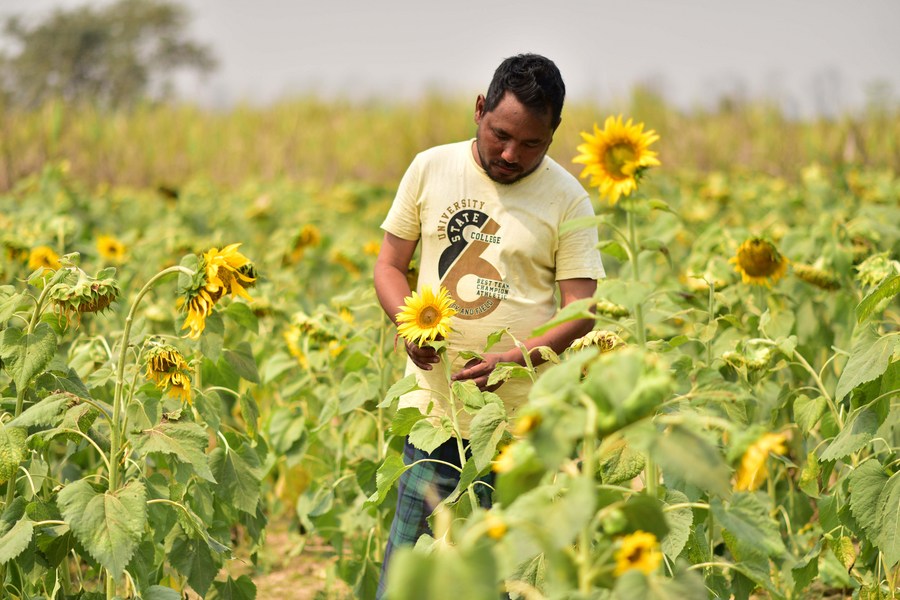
(426, 317)
(167, 368)
(216, 273)
(638, 550)
(43, 256)
(616, 156)
(752, 471)
(110, 249)
(605, 341)
(759, 262)
(817, 277)
(78, 293)
(872, 271)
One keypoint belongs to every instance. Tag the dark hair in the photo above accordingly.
(533, 79)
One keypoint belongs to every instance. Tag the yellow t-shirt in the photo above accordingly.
(496, 248)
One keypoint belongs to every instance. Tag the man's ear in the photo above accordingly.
(479, 108)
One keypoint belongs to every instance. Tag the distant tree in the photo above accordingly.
(112, 55)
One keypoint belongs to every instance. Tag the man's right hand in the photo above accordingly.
(424, 357)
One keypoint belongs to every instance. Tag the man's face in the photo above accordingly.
(511, 140)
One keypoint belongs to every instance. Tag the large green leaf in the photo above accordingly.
(427, 437)
(691, 458)
(237, 472)
(619, 462)
(888, 537)
(241, 588)
(389, 472)
(886, 289)
(747, 518)
(488, 427)
(634, 585)
(108, 524)
(404, 419)
(679, 520)
(27, 354)
(404, 386)
(241, 359)
(158, 592)
(869, 358)
(14, 541)
(193, 559)
(808, 411)
(865, 483)
(13, 448)
(855, 434)
(184, 440)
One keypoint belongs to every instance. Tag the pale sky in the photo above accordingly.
(811, 55)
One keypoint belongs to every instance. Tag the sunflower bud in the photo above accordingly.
(875, 269)
(610, 309)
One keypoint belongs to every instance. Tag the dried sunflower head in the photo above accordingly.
(78, 293)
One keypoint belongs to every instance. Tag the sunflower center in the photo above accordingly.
(615, 159)
(758, 259)
(429, 316)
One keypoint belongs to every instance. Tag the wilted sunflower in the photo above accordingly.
(752, 471)
(425, 317)
(111, 249)
(759, 262)
(220, 272)
(639, 550)
(820, 278)
(78, 293)
(616, 156)
(167, 368)
(605, 341)
(43, 256)
(875, 269)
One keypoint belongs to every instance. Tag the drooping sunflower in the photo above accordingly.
(605, 341)
(759, 262)
(43, 256)
(820, 278)
(425, 317)
(110, 248)
(639, 550)
(229, 270)
(616, 156)
(752, 471)
(167, 368)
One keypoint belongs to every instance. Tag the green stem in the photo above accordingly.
(115, 438)
(588, 471)
(635, 252)
(451, 397)
(819, 384)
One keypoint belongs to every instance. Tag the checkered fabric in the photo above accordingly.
(419, 491)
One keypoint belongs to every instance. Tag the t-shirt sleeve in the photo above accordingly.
(577, 256)
(403, 217)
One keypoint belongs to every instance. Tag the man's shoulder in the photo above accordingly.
(453, 150)
(561, 178)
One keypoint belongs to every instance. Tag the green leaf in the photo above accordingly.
(467, 392)
(250, 412)
(241, 359)
(14, 541)
(614, 249)
(193, 559)
(689, 456)
(807, 568)
(9, 305)
(634, 585)
(886, 289)
(158, 592)
(243, 315)
(184, 440)
(868, 359)
(855, 434)
(620, 463)
(645, 513)
(486, 431)
(494, 337)
(747, 518)
(237, 472)
(404, 419)
(13, 449)
(573, 311)
(426, 436)
(888, 520)
(26, 354)
(110, 524)
(404, 386)
(241, 588)
(808, 411)
(679, 521)
(388, 473)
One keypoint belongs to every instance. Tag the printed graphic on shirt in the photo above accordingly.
(471, 280)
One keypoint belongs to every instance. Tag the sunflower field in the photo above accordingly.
(193, 356)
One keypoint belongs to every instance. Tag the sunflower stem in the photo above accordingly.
(588, 469)
(634, 247)
(115, 438)
(451, 398)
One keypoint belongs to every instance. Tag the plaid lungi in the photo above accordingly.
(419, 491)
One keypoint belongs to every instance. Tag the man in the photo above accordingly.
(487, 213)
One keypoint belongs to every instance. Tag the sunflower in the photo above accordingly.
(199, 306)
(752, 471)
(167, 368)
(43, 256)
(228, 270)
(639, 550)
(425, 317)
(371, 248)
(495, 525)
(616, 156)
(110, 248)
(605, 341)
(758, 260)
(820, 278)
